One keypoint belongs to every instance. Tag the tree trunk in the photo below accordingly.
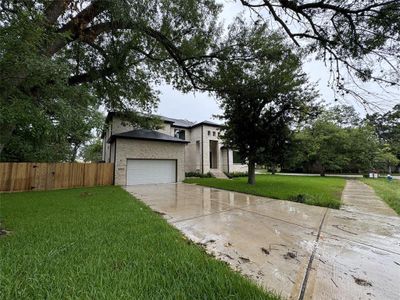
(273, 169)
(322, 173)
(251, 177)
(74, 152)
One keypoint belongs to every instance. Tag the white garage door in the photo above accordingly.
(142, 171)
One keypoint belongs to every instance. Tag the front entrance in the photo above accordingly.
(213, 154)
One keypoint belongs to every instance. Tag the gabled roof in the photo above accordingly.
(146, 134)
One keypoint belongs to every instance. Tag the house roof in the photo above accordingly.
(177, 122)
(207, 123)
(146, 134)
(174, 122)
(187, 124)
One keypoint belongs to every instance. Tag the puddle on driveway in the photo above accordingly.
(271, 241)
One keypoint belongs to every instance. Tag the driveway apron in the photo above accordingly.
(296, 250)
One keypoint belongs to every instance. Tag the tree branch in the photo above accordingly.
(91, 76)
(75, 26)
(55, 9)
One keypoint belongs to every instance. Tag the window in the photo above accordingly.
(236, 158)
(209, 132)
(180, 134)
(213, 133)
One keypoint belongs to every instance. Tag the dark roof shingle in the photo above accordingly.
(146, 134)
(178, 122)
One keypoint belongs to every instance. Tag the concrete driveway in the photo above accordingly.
(299, 251)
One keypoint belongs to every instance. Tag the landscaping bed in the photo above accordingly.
(320, 191)
(101, 243)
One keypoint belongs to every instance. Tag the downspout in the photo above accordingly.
(202, 151)
(227, 155)
(115, 159)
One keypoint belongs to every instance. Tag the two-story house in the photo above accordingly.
(143, 156)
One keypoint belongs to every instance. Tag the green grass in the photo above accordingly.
(320, 191)
(388, 191)
(101, 243)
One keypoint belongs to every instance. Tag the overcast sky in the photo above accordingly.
(201, 106)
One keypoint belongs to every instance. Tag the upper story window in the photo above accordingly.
(236, 158)
(209, 132)
(213, 133)
(179, 133)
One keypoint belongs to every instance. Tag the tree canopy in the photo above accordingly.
(77, 54)
(331, 143)
(92, 152)
(358, 40)
(74, 56)
(260, 94)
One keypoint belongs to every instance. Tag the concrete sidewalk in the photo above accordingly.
(299, 251)
(347, 176)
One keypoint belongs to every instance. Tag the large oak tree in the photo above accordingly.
(262, 91)
(97, 52)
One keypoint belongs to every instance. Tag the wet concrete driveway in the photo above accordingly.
(299, 251)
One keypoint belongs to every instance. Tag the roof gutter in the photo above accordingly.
(113, 137)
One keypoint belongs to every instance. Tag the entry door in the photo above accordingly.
(146, 171)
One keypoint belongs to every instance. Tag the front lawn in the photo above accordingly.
(388, 191)
(101, 243)
(320, 191)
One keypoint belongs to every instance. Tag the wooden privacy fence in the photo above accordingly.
(49, 176)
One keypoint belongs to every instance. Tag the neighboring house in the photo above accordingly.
(161, 156)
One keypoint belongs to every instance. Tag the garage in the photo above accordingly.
(143, 156)
(145, 171)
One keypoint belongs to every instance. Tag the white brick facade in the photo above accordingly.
(141, 149)
(193, 156)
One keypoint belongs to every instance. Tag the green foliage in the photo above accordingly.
(335, 143)
(40, 137)
(198, 174)
(93, 151)
(387, 128)
(319, 191)
(100, 243)
(261, 94)
(385, 159)
(61, 59)
(236, 174)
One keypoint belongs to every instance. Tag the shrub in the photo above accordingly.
(236, 174)
(197, 174)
